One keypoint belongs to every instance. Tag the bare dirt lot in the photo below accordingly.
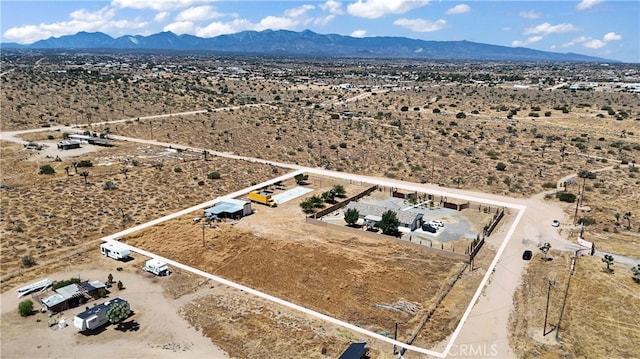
(372, 283)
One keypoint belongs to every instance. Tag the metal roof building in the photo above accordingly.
(229, 208)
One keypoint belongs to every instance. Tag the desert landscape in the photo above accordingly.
(175, 133)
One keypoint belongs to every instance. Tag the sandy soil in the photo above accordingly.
(155, 329)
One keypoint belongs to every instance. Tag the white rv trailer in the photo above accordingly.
(114, 251)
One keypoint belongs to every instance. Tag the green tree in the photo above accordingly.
(351, 216)
(85, 174)
(25, 308)
(328, 196)
(301, 178)
(317, 201)
(545, 249)
(120, 285)
(339, 191)
(307, 205)
(117, 313)
(389, 223)
(47, 170)
(608, 260)
(110, 278)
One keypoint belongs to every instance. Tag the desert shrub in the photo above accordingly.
(177, 170)
(85, 163)
(47, 170)
(214, 175)
(461, 115)
(547, 114)
(342, 145)
(120, 285)
(335, 116)
(109, 186)
(587, 221)
(436, 110)
(548, 185)
(501, 166)
(566, 197)
(25, 308)
(200, 183)
(28, 261)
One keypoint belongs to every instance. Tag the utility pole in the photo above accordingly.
(551, 283)
(203, 225)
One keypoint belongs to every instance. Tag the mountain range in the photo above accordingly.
(306, 43)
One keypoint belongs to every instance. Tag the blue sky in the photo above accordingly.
(609, 29)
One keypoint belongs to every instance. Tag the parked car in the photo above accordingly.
(428, 228)
(527, 255)
(437, 223)
(555, 223)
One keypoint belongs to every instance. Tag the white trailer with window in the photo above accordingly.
(114, 251)
(156, 267)
(95, 317)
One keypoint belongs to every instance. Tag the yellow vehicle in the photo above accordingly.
(263, 197)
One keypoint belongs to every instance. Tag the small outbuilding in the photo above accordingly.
(72, 295)
(229, 208)
(68, 145)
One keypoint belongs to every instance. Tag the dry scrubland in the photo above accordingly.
(600, 317)
(45, 216)
(453, 134)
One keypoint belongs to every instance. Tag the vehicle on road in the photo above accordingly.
(555, 223)
(527, 255)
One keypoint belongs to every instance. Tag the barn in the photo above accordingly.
(229, 208)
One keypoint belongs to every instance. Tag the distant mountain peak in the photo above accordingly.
(307, 43)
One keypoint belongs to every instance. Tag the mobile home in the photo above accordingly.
(95, 317)
(156, 267)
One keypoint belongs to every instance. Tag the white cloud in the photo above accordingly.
(180, 27)
(323, 20)
(373, 9)
(103, 14)
(222, 28)
(506, 28)
(161, 16)
(198, 13)
(80, 20)
(278, 23)
(585, 4)
(528, 41)
(421, 25)
(298, 11)
(359, 33)
(611, 36)
(529, 14)
(595, 44)
(332, 6)
(158, 5)
(459, 9)
(547, 29)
